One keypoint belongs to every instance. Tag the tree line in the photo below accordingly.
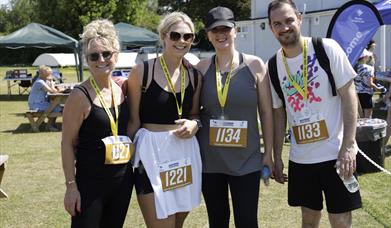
(69, 17)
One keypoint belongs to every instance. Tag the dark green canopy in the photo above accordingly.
(133, 36)
(36, 35)
(39, 36)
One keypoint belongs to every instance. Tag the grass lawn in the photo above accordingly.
(35, 183)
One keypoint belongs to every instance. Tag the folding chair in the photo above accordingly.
(24, 86)
(57, 75)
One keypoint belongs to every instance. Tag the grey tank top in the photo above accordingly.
(241, 104)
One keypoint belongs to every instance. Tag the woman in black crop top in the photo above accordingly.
(164, 101)
(95, 149)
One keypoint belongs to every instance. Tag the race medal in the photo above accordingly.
(223, 116)
(306, 112)
(310, 130)
(222, 93)
(119, 149)
(175, 174)
(228, 133)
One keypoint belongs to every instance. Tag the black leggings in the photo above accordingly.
(104, 203)
(244, 192)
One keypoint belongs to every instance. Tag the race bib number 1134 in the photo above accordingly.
(228, 133)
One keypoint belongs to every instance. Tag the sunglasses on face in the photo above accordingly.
(175, 36)
(221, 29)
(96, 55)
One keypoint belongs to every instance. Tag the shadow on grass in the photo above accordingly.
(26, 128)
(19, 114)
(13, 97)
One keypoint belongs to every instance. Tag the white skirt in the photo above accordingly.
(154, 148)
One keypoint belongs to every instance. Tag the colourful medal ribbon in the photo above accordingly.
(222, 93)
(303, 91)
(113, 124)
(169, 82)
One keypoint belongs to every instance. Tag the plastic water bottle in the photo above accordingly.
(266, 175)
(351, 184)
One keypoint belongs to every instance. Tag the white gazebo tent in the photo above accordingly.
(55, 60)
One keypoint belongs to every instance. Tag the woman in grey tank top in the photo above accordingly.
(234, 89)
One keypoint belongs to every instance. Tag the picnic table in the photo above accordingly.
(55, 99)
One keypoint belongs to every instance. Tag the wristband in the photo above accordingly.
(70, 182)
(198, 121)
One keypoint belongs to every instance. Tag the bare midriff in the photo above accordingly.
(160, 127)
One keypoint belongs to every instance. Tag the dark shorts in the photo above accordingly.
(365, 100)
(142, 182)
(306, 183)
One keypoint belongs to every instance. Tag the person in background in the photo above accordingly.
(38, 99)
(372, 61)
(164, 102)
(95, 149)
(230, 138)
(323, 126)
(364, 82)
(372, 58)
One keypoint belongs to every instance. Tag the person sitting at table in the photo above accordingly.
(38, 95)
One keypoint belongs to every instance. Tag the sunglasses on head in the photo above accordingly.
(219, 29)
(175, 36)
(96, 55)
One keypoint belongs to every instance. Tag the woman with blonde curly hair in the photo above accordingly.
(164, 102)
(95, 149)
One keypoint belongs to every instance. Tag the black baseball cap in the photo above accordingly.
(219, 16)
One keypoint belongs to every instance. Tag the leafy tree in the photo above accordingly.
(20, 13)
(197, 9)
(71, 15)
(138, 12)
(3, 19)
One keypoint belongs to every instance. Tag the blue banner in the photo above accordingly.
(384, 8)
(353, 26)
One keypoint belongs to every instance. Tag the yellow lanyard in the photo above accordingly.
(113, 124)
(169, 82)
(303, 91)
(222, 93)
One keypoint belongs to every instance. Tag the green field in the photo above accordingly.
(35, 183)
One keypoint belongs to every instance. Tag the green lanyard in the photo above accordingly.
(222, 93)
(303, 91)
(113, 124)
(169, 82)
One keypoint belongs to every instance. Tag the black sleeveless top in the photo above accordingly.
(158, 106)
(90, 149)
